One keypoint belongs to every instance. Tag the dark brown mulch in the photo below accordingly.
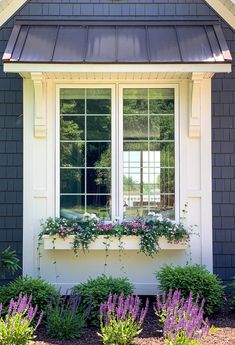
(224, 321)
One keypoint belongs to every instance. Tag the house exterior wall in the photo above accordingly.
(11, 172)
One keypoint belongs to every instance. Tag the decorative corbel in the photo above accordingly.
(40, 126)
(195, 111)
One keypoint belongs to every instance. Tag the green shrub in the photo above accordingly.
(96, 291)
(41, 291)
(193, 278)
(8, 262)
(233, 292)
(64, 320)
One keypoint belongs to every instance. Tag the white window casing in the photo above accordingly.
(193, 184)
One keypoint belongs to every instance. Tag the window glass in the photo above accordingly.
(148, 152)
(85, 152)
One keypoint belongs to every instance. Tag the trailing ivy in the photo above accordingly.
(86, 230)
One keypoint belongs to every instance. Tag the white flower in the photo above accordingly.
(87, 215)
(151, 214)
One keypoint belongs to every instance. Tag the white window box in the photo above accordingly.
(128, 243)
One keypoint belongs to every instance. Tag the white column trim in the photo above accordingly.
(40, 127)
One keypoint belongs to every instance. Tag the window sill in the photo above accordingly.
(128, 243)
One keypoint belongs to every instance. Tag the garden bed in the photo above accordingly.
(225, 321)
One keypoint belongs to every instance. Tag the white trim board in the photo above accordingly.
(7, 11)
(223, 10)
(135, 68)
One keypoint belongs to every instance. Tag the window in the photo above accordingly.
(117, 161)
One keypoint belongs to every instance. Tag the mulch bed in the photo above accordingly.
(225, 335)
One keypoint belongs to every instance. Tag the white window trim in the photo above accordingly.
(117, 137)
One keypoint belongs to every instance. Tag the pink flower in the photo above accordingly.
(134, 230)
(108, 226)
(100, 228)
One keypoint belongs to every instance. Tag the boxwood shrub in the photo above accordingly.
(96, 291)
(193, 278)
(42, 292)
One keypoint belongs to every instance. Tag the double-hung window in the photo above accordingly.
(117, 150)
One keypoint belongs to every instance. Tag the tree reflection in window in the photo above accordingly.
(85, 152)
(148, 158)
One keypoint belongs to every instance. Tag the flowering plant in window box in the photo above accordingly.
(147, 234)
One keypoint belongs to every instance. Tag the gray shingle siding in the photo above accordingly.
(223, 158)
(11, 156)
(223, 120)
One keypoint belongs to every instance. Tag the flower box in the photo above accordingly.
(127, 243)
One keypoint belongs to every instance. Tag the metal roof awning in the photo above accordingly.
(116, 43)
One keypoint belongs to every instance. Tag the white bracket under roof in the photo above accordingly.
(195, 111)
(40, 127)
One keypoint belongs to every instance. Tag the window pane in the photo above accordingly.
(99, 101)
(85, 151)
(72, 127)
(72, 154)
(148, 166)
(99, 128)
(135, 127)
(99, 155)
(98, 181)
(135, 101)
(72, 101)
(161, 127)
(100, 205)
(72, 206)
(72, 181)
(161, 101)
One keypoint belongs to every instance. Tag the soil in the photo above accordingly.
(223, 321)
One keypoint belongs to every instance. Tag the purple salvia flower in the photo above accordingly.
(39, 320)
(107, 319)
(144, 311)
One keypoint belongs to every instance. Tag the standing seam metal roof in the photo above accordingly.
(116, 43)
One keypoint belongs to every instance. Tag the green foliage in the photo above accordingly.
(64, 318)
(233, 292)
(9, 261)
(122, 332)
(65, 326)
(181, 339)
(96, 291)
(16, 330)
(89, 227)
(16, 327)
(41, 291)
(193, 278)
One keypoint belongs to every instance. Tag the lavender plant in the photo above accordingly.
(183, 322)
(16, 328)
(121, 319)
(64, 318)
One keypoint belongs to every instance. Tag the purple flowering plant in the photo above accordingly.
(182, 319)
(121, 319)
(65, 319)
(17, 327)
(86, 229)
